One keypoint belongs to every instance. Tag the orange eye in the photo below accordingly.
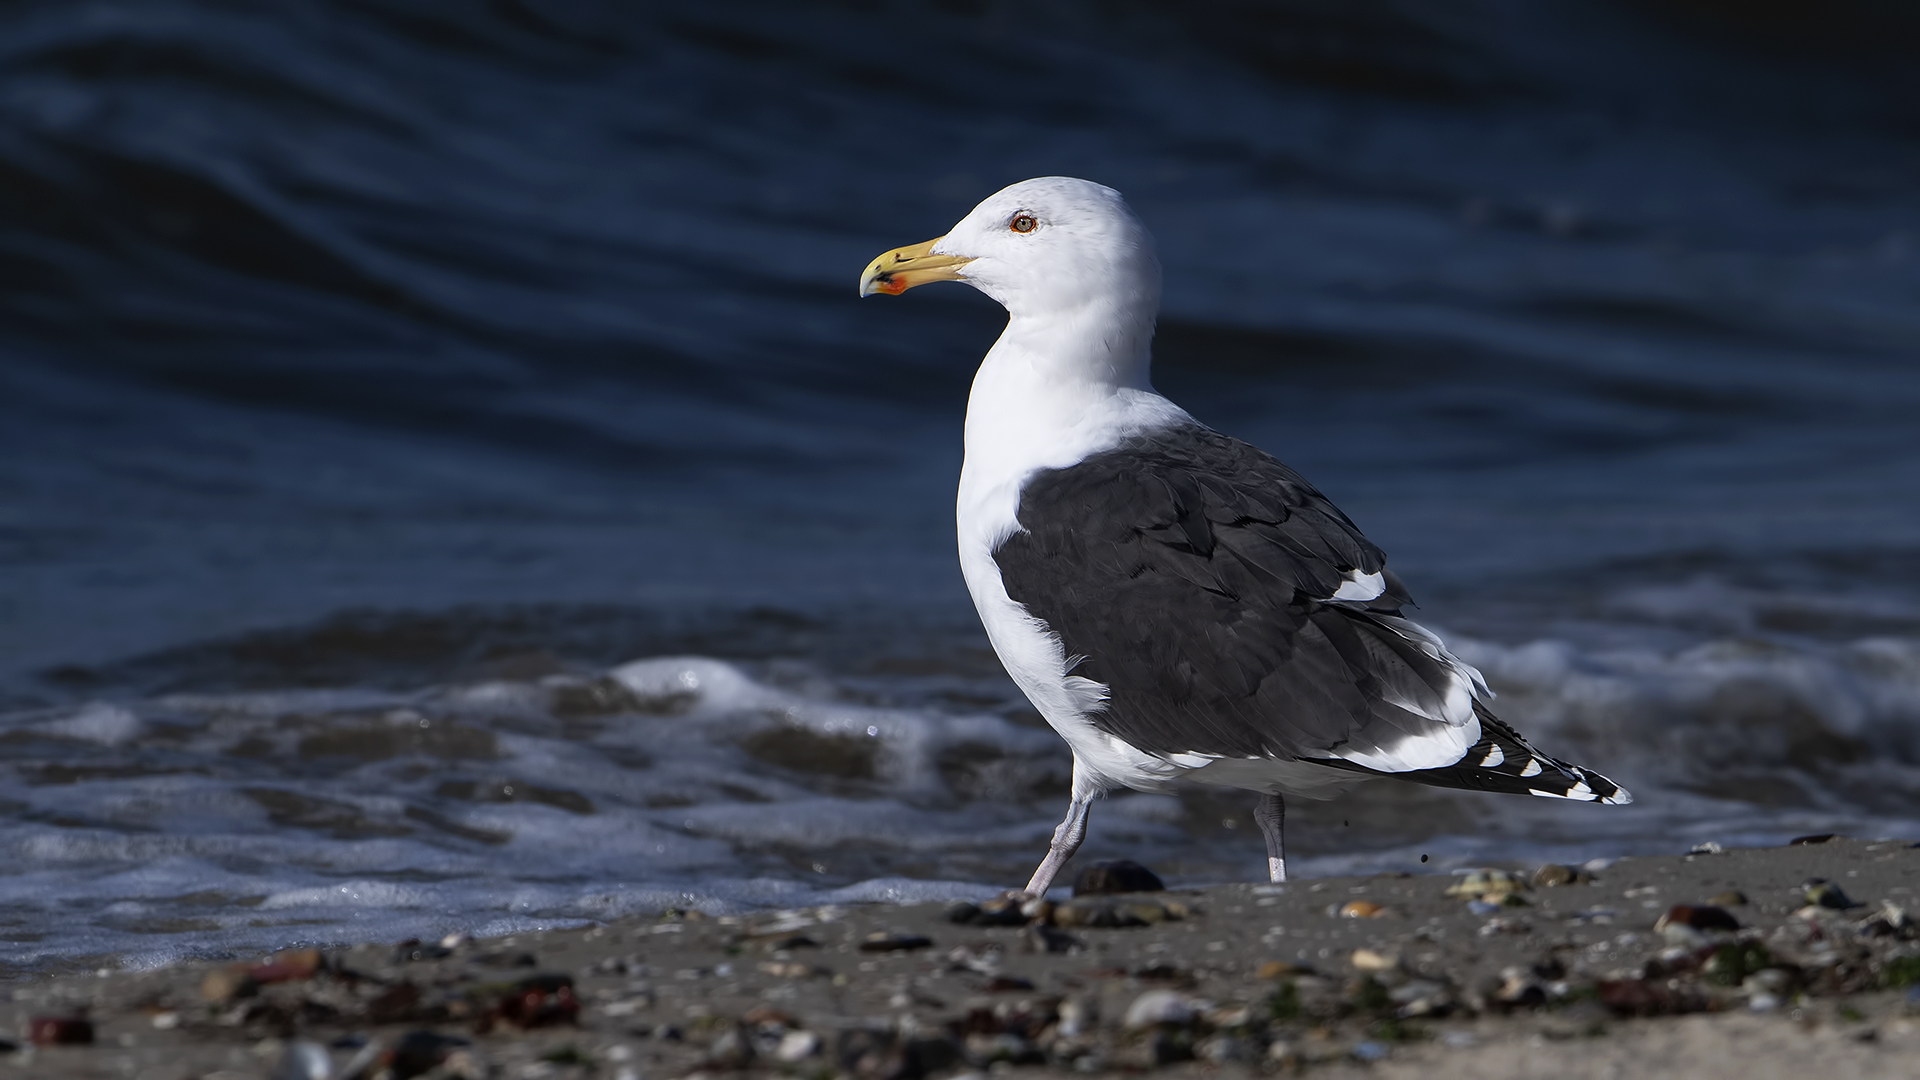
(1023, 223)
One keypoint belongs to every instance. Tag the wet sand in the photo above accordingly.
(1756, 974)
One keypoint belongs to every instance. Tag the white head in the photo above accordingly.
(1055, 252)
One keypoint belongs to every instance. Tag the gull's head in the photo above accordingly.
(1051, 245)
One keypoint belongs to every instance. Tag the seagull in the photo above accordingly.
(1178, 604)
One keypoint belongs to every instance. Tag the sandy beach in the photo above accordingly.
(1750, 963)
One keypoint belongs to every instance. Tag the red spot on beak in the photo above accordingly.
(891, 286)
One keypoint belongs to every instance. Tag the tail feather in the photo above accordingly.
(1504, 762)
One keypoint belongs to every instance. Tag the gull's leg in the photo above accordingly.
(1271, 813)
(1066, 840)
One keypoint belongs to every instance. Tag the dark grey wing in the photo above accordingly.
(1195, 576)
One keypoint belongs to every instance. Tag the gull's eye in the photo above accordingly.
(1023, 223)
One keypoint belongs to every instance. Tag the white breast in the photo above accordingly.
(1017, 424)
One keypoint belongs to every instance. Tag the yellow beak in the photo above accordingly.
(903, 268)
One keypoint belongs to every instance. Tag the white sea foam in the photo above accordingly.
(262, 820)
(108, 725)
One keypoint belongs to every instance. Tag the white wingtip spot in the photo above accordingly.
(1359, 586)
(1532, 769)
(1495, 756)
(1547, 794)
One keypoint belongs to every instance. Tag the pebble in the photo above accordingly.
(1108, 912)
(787, 969)
(1491, 885)
(1282, 969)
(1361, 909)
(1369, 1051)
(1730, 898)
(999, 911)
(1828, 895)
(1110, 876)
(303, 1060)
(1695, 920)
(1553, 874)
(796, 1046)
(1041, 938)
(1223, 1050)
(882, 942)
(535, 1002)
(1369, 960)
(60, 1031)
(1163, 1007)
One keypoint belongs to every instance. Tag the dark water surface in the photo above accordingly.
(375, 378)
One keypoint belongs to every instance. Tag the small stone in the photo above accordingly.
(1828, 895)
(1093, 912)
(1702, 917)
(60, 1031)
(422, 1051)
(1077, 1016)
(1282, 969)
(733, 1049)
(962, 912)
(1361, 909)
(1708, 847)
(1891, 920)
(1553, 875)
(789, 969)
(1491, 885)
(225, 984)
(1040, 938)
(796, 1046)
(1112, 876)
(1422, 997)
(880, 941)
(538, 1001)
(1519, 988)
(1223, 1050)
(1163, 1007)
(999, 911)
(1730, 898)
(304, 1060)
(1369, 1051)
(1369, 960)
(1816, 838)
(292, 965)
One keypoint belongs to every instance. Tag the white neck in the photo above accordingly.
(1052, 390)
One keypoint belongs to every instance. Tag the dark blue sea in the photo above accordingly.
(447, 481)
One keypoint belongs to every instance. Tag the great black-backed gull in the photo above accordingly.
(1178, 605)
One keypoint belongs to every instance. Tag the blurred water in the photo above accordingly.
(370, 365)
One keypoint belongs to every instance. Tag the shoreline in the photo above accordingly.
(1723, 964)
